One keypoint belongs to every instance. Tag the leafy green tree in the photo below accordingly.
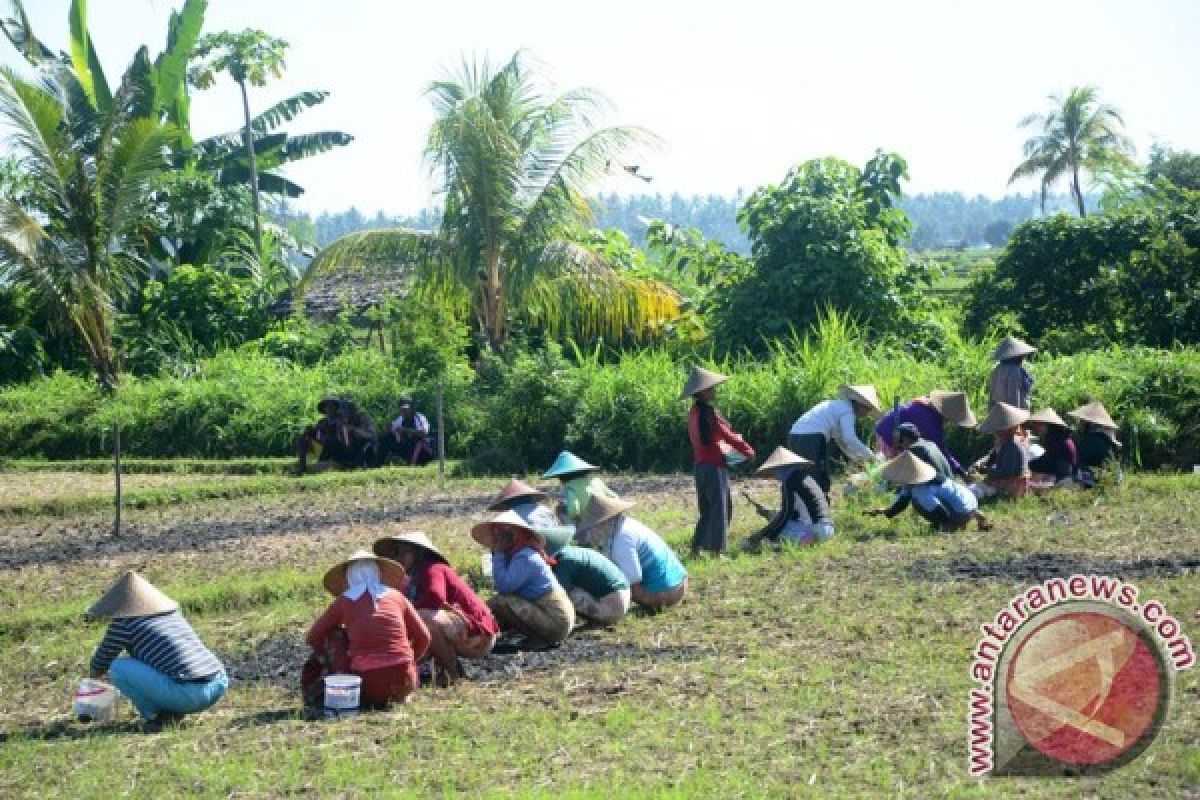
(1178, 167)
(514, 162)
(1077, 134)
(827, 237)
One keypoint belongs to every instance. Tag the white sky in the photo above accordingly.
(739, 91)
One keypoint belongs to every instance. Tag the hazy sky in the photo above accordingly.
(739, 90)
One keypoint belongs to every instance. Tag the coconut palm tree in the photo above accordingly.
(514, 161)
(1078, 133)
(90, 157)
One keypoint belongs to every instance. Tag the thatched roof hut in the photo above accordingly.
(350, 288)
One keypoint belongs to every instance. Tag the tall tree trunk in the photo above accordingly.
(248, 136)
(1078, 192)
(117, 478)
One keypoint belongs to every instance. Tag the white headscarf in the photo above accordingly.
(363, 576)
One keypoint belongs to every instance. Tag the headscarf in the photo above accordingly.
(363, 576)
(523, 538)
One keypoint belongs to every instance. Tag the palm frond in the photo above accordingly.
(36, 118)
(286, 110)
(122, 177)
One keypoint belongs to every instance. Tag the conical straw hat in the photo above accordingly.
(954, 406)
(1048, 416)
(485, 532)
(1012, 347)
(568, 463)
(516, 489)
(386, 547)
(700, 379)
(781, 457)
(390, 573)
(1095, 413)
(1001, 417)
(557, 538)
(131, 596)
(907, 470)
(601, 509)
(862, 393)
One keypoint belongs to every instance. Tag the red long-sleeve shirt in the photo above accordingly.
(711, 453)
(383, 633)
(439, 586)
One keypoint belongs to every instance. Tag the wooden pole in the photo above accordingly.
(441, 441)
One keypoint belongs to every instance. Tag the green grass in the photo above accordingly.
(825, 672)
(155, 466)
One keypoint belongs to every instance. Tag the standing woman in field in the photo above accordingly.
(1010, 382)
(713, 441)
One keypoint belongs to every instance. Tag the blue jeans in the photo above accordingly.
(152, 692)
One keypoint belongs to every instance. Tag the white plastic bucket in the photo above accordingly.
(341, 692)
(95, 701)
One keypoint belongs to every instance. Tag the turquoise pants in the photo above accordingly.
(152, 692)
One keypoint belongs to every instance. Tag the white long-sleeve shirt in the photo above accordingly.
(834, 419)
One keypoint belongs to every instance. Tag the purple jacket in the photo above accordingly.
(928, 421)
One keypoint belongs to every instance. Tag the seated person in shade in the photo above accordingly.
(1095, 435)
(833, 420)
(168, 671)
(527, 501)
(1005, 469)
(656, 578)
(408, 439)
(580, 483)
(460, 624)
(597, 587)
(803, 516)
(928, 415)
(945, 503)
(370, 630)
(529, 599)
(343, 438)
(907, 439)
(1058, 460)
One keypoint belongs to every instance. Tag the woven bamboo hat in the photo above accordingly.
(515, 490)
(907, 470)
(601, 509)
(954, 406)
(568, 463)
(557, 538)
(1001, 417)
(485, 532)
(861, 393)
(1048, 416)
(131, 596)
(780, 458)
(1012, 347)
(1096, 414)
(700, 379)
(390, 573)
(386, 547)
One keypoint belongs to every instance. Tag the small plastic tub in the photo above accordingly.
(95, 701)
(341, 693)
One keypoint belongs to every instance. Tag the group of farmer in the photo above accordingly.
(584, 558)
(346, 437)
(1029, 451)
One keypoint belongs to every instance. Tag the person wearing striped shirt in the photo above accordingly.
(167, 672)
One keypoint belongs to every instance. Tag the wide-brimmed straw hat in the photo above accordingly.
(601, 509)
(907, 470)
(780, 458)
(1095, 413)
(700, 379)
(557, 538)
(485, 532)
(1012, 347)
(515, 490)
(568, 463)
(954, 406)
(386, 547)
(391, 573)
(131, 596)
(1049, 416)
(863, 393)
(1001, 417)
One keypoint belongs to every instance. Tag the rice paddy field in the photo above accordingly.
(835, 671)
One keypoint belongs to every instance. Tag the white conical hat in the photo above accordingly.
(601, 509)
(386, 547)
(863, 393)
(1012, 347)
(1095, 413)
(1048, 416)
(1001, 417)
(700, 379)
(954, 406)
(906, 470)
(391, 573)
(781, 457)
(131, 596)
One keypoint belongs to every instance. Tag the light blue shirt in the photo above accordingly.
(644, 557)
(948, 493)
(526, 574)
